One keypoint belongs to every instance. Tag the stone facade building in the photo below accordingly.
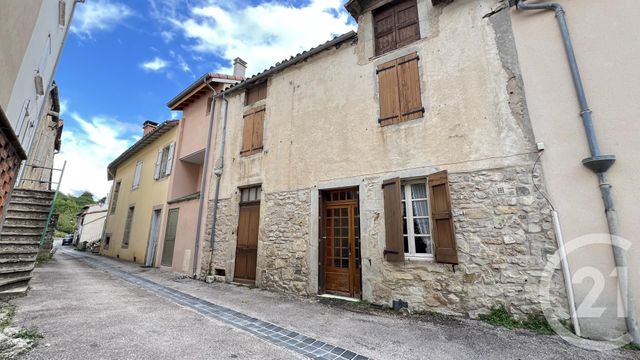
(395, 163)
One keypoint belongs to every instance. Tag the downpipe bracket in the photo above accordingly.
(600, 163)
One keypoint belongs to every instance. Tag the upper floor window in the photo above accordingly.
(395, 25)
(164, 162)
(255, 94)
(114, 197)
(137, 176)
(62, 13)
(399, 90)
(252, 131)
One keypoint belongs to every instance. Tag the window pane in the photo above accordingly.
(423, 245)
(418, 191)
(421, 226)
(405, 229)
(252, 194)
(402, 191)
(420, 208)
(406, 244)
(259, 193)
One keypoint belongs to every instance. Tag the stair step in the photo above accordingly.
(17, 266)
(19, 206)
(13, 221)
(18, 269)
(8, 280)
(25, 213)
(7, 249)
(21, 234)
(30, 201)
(9, 227)
(19, 239)
(45, 194)
(15, 290)
(15, 258)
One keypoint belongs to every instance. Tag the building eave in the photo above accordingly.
(199, 88)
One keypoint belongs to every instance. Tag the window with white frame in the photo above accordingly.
(137, 175)
(416, 220)
(164, 162)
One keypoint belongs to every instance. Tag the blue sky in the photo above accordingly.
(124, 60)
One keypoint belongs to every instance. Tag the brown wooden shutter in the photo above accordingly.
(409, 80)
(388, 93)
(256, 93)
(258, 130)
(396, 25)
(407, 26)
(394, 243)
(385, 31)
(247, 133)
(399, 90)
(444, 239)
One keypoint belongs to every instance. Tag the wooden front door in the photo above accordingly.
(154, 231)
(247, 245)
(170, 238)
(341, 244)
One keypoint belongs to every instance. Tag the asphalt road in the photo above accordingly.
(85, 312)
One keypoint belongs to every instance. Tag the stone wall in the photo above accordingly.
(504, 236)
(225, 241)
(285, 241)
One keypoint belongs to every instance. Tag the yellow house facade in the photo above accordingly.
(138, 197)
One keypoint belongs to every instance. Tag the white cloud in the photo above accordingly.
(156, 64)
(167, 36)
(98, 15)
(262, 34)
(88, 147)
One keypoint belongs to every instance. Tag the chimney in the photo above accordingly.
(239, 67)
(149, 126)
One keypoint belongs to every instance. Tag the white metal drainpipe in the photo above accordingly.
(598, 163)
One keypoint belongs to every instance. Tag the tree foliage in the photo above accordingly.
(68, 206)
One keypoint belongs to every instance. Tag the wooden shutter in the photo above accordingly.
(247, 133)
(399, 90)
(255, 94)
(409, 83)
(388, 93)
(253, 131)
(172, 149)
(394, 242)
(444, 238)
(156, 171)
(258, 130)
(407, 26)
(396, 25)
(136, 175)
(385, 30)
